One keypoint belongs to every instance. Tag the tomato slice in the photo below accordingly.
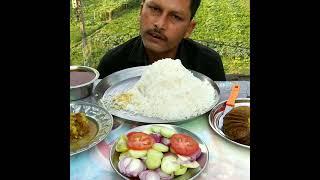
(139, 141)
(183, 144)
(131, 133)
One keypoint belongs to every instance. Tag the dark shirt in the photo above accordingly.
(193, 56)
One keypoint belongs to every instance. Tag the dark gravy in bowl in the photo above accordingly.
(78, 77)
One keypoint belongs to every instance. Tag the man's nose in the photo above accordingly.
(161, 22)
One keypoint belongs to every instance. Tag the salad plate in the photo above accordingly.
(195, 163)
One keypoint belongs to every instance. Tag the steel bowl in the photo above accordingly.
(83, 90)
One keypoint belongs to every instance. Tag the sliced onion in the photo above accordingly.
(164, 176)
(123, 163)
(134, 168)
(179, 161)
(131, 167)
(165, 141)
(156, 137)
(151, 175)
(188, 159)
(195, 155)
(184, 158)
(142, 175)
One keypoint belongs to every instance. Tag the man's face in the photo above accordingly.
(164, 23)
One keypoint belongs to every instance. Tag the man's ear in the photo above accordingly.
(190, 28)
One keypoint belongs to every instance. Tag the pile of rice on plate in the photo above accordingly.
(169, 91)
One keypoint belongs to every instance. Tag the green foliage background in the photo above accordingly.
(223, 25)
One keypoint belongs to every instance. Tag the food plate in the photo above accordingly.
(123, 80)
(99, 116)
(190, 174)
(216, 122)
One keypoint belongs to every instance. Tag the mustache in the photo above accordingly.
(157, 32)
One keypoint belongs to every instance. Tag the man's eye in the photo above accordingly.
(154, 8)
(177, 17)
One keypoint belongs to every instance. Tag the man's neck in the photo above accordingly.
(152, 57)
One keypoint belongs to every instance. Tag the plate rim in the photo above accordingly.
(165, 125)
(217, 131)
(102, 137)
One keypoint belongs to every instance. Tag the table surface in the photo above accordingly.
(227, 161)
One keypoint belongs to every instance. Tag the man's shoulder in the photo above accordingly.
(200, 49)
(117, 58)
(203, 59)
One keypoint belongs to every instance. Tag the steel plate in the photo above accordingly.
(123, 80)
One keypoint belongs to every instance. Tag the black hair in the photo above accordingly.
(194, 5)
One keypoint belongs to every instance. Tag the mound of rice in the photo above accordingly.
(169, 91)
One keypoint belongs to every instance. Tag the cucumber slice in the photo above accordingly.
(180, 171)
(169, 164)
(153, 163)
(123, 155)
(166, 132)
(155, 129)
(154, 154)
(193, 164)
(160, 147)
(137, 153)
(121, 145)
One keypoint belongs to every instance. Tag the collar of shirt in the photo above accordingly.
(138, 55)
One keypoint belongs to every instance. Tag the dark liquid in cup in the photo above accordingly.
(80, 77)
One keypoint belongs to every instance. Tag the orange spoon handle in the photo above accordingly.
(233, 96)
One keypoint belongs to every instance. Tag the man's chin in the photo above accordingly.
(157, 48)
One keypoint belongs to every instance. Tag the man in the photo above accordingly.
(165, 26)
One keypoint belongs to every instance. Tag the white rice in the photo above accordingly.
(169, 91)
